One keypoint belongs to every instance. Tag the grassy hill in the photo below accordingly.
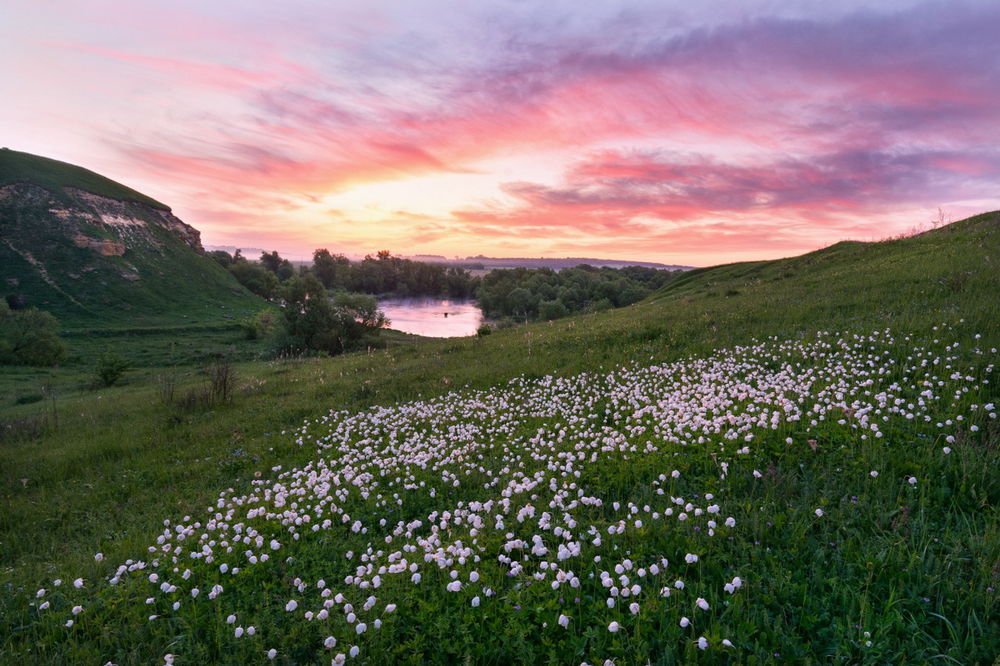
(55, 176)
(98, 254)
(891, 572)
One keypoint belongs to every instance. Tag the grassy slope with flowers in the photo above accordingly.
(911, 565)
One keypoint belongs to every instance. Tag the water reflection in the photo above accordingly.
(433, 317)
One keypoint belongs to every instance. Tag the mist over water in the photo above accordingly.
(433, 317)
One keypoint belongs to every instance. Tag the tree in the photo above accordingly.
(223, 258)
(331, 269)
(29, 337)
(316, 322)
(364, 309)
(271, 261)
(285, 270)
(255, 277)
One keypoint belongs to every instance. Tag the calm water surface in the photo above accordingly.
(433, 317)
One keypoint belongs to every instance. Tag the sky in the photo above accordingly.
(691, 133)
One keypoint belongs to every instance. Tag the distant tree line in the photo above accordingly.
(544, 294)
(382, 274)
(328, 304)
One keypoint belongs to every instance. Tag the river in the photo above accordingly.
(433, 317)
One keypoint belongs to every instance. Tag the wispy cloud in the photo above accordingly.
(677, 125)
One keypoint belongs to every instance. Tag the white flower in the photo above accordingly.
(475, 602)
(873, 473)
(239, 632)
(702, 643)
(563, 621)
(614, 627)
(361, 628)
(272, 653)
(78, 583)
(231, 619)
(98, 557)
(685, 622)
(946, 450)
(354, 651)
(819, 513)
(77, 610)
(633, 608)
(912, 480)
(701, 603)
(291, 605)
(690, 558)
(727, 642)
(329, 642)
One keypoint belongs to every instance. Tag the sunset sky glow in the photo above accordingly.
(680, 132)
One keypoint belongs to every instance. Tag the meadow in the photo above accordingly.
(787, 461)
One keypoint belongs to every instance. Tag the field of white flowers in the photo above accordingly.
(723, 508)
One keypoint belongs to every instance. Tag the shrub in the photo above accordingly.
(29, 398)
(483, 330)
(549, 310)
(221, 380)
(29, 337)
(110, 368)
(259, 326)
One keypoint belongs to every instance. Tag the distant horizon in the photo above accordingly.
(292, 256)
(664, 132)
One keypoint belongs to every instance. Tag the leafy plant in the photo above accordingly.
(110, 368)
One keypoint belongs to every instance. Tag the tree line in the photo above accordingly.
(517, 294)
(382, 274)
(524, 294)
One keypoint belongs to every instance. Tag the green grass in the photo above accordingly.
(53, 175)
(97, 471)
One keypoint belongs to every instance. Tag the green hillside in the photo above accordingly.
(53, 175)
(888, 570)
(100, 255)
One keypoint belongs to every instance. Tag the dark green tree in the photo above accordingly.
(29, 337)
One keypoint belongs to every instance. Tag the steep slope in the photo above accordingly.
(96, 253)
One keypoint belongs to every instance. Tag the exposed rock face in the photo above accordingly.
(107, 226)
(123, 215)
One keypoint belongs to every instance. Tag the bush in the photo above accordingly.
(483, 330)
(221, 380)
(110, 368)
(549, 310)
(29, 337)
(29, 398)
(259, 326)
